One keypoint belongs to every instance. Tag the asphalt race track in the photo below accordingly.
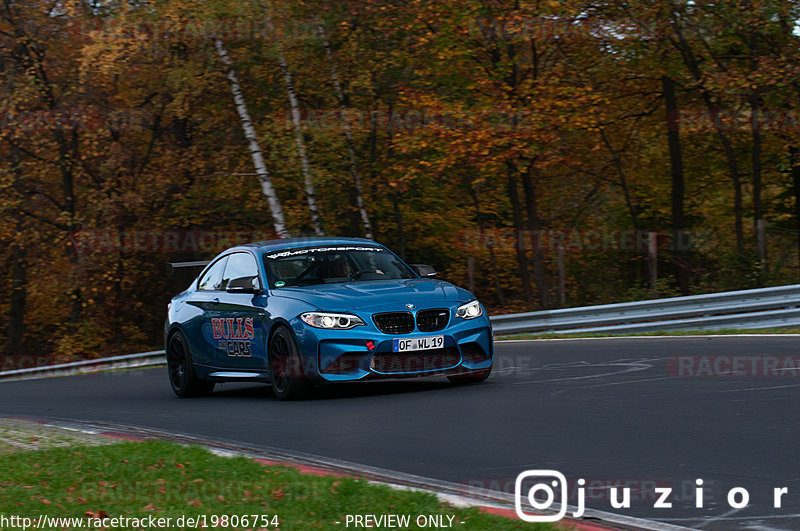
(628, 412)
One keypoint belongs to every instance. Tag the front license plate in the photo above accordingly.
(418, 343)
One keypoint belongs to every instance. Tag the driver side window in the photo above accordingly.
(241, 272)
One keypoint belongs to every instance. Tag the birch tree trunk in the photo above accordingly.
(348, 133)
(278, 219)
(302, 153)
(308, 181)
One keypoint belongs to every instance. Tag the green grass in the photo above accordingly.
(550, 335)
(162, 479)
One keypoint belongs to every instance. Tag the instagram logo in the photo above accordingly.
(539, 488)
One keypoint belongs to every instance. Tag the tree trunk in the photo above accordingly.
(755, 163)
(758, 209)
(278, 220)
(691, 63)
(623, 180)
(308, 182)
(794, 154)
(15, 330)
(498, 289)
(67, 154)
(348, 133)
(395, 195)
(68, 190)
(678, 185)
(302, 153)
(562, 276)
(522, 260)
(534, 225)
(733, 167)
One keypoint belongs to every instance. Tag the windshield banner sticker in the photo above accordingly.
(313, 250)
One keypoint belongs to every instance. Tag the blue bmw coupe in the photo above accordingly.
(300, 312)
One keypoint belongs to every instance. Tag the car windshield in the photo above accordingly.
(323, 265)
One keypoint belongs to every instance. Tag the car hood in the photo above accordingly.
(380, 294)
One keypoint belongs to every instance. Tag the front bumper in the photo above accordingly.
(343, 355)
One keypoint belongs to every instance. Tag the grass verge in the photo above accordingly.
(166, 480)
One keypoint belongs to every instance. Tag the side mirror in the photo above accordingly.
(244, 285)
(423, 270)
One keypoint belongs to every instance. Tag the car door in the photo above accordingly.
(238, 322)
(206, 298)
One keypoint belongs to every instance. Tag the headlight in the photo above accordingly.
(331, 321)
(470, 310)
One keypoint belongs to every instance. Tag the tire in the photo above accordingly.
(182, 376)
(471, 378)
(286, 367)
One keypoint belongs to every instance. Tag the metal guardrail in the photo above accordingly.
(774, 307)
(142, 359)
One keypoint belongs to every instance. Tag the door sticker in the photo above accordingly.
(233, 335)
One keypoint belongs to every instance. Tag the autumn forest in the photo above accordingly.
(542, 153)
